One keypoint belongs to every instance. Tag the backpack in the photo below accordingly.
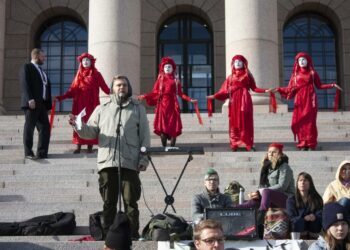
(53, 224)
(232, 190)
(164, 226)
(95, 226)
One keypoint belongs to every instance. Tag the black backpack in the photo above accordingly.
(53, 224)
(164, 226)
(95, 226)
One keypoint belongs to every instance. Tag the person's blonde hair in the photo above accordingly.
(205, 224)
(332, 242)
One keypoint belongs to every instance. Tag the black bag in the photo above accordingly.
(53, 224)
(9, 228)
(163, 226)
(95, 226)
(119, 233)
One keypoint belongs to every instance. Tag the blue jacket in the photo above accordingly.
(319, 244)
(296, 216)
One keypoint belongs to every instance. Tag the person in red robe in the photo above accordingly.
(167, 121)
(84, 91)
(301, 88)
(240, 108)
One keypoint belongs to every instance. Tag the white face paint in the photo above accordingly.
(302, 62)
(86, 62)
(168, 69)
(238, 64)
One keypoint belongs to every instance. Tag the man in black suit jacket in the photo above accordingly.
(36, 101)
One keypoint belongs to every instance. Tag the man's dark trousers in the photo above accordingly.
(131, 192)
(36, 118)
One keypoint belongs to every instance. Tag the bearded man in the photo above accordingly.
(35, 102)
(134, 134)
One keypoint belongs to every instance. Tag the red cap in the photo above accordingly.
(276, 145)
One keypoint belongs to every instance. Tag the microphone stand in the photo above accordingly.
(119, 156)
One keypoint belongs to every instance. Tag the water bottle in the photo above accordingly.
(241, 196)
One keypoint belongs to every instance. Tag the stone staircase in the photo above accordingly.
(68, 182)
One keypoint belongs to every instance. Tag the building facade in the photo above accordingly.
(130, 36)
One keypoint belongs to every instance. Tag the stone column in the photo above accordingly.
(115, 37)
(251, 30)
(2, 52)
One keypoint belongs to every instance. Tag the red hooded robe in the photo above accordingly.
(301, 88)
(240, 110)
(85, 93)
(164, 96)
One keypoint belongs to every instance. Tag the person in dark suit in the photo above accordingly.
(35, 101)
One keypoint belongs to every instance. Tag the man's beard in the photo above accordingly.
(121, 97)
(39, 61)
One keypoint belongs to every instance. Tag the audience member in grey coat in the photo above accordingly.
(210, 198)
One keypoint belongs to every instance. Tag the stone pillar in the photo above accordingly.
(2, 52)
(251, 30)
(115, 37)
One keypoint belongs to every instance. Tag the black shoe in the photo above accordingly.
(40, 156)
(135, 236)
(77, 150)
(30, 156)
(89, 149)
(172, 141)
(163, 139)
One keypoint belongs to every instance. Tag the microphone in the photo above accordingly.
(143, 150)
(120, 98)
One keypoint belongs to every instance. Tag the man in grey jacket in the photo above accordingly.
(134, 134)
(210, 198)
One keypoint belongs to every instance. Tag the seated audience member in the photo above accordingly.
(335, 225)
(211, 196)
(305, 208)
(208, 235)
(276, 183)
(119, 234)
(339, 189)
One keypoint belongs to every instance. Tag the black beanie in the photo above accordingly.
(119, 234)
(332, 213)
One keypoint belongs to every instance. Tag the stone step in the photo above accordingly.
(62, 243)
(192, 170)
(71, 182)
(61, 121)
(21, 211)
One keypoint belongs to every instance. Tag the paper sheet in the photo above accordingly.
(78, 119)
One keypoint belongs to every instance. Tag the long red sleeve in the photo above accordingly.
(102, 83)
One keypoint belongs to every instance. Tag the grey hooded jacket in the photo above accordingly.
(134, 133)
